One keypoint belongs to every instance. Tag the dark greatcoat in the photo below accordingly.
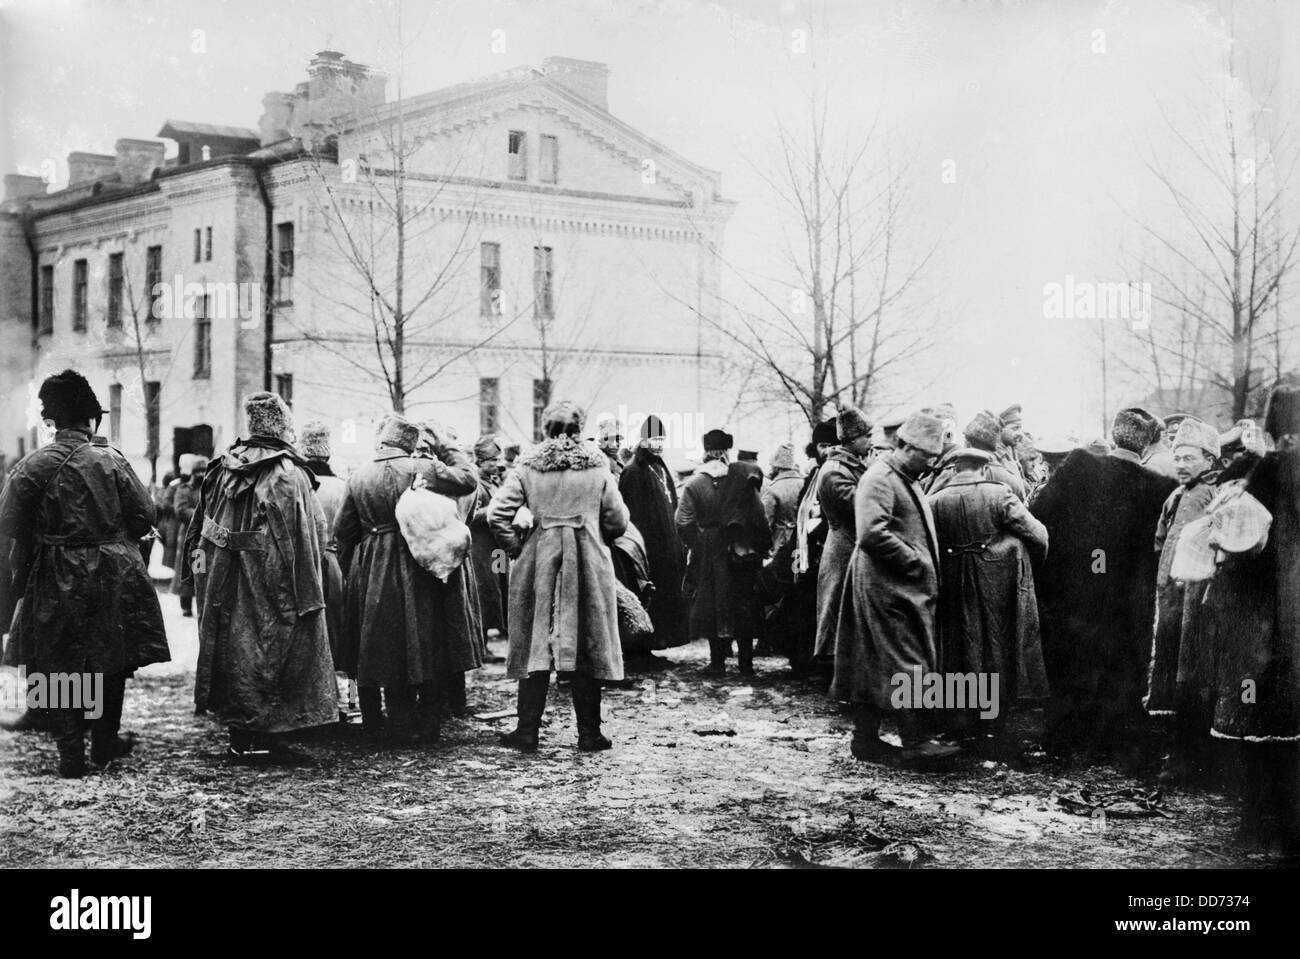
(563, 605)
(1248, 630)
(409, 627)
(330, 491)
(988, 614)
(168, 528)
(837, 484)
(185, 500)
(253, 559)
(71, 517)
(1184, 504)
(887, 616)
(1096, 589)
(647, 489)
(489, 566)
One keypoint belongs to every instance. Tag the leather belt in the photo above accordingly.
(966, 548)
(379, 529)
(237, 540)
(73, 541)
(550, 522)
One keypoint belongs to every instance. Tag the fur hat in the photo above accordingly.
(397, 431)
(67, 398)
(717, 440)
(984, 431)
(564, 418)
(783, 458)
(1192, 432)
(653, 426)
(850, 424)
(827, 431)
(892, 423)
(267, 415)
(1099, 446)
(314, 441)
(1012, 414)
(1173, 419)
(1054, 448)
(1282, 417)
(924, 431)
(487, 448)
(1134, 429)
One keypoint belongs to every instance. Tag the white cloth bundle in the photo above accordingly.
(432, 528)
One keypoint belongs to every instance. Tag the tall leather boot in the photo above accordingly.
(70, 735)
(532, 703)
(401, 714)
(586, 706)
(866, 744)
(916, 747)
(454, 693)
(718, 649)
(372, 713)
(105, 743)
(428, 713)
(745, 655)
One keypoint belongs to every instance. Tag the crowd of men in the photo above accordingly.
(936, 577)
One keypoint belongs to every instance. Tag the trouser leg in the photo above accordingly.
(429, 712)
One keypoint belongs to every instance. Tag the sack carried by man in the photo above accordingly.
(431, 526)
(1234, 523)
(633, 620)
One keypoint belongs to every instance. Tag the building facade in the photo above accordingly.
(467, 255)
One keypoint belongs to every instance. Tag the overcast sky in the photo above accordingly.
(1048, 133)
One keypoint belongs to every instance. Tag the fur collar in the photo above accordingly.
(714, 468)
(565, 453)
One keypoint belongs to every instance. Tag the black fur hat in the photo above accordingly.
(1282, 417)
(67, 398)
(1134, 429)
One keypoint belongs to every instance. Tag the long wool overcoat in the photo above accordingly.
(1246, 646)
(253, 558)
(408, 627)
(1184, 504)
(647, 488)
(563, 607)
(887, 615)
(330, 491)
(837, 485)
(1096, 589)
(988, 614)
(490, 573)
(71, 517)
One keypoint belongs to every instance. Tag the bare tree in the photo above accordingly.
(1221, 264)
(839, 318)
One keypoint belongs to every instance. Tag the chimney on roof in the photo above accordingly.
(587, 78)
(19, 186)
(88, 167)
(137, 159)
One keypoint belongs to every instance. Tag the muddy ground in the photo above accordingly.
(705, 772)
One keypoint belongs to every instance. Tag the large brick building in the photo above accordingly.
(547, 248)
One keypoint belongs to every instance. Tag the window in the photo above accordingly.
(549, 161)
(543, 287)
(152, 282)
(489, 405)
(284, 263)
(153, 416)
(518, 155)
(115, 289)
(284, 386)
(490, 279)
(46, 319)
(115, 414)
(202, 338)
(198, 245)
(207, 243)
(80, 274)
(541, 400)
